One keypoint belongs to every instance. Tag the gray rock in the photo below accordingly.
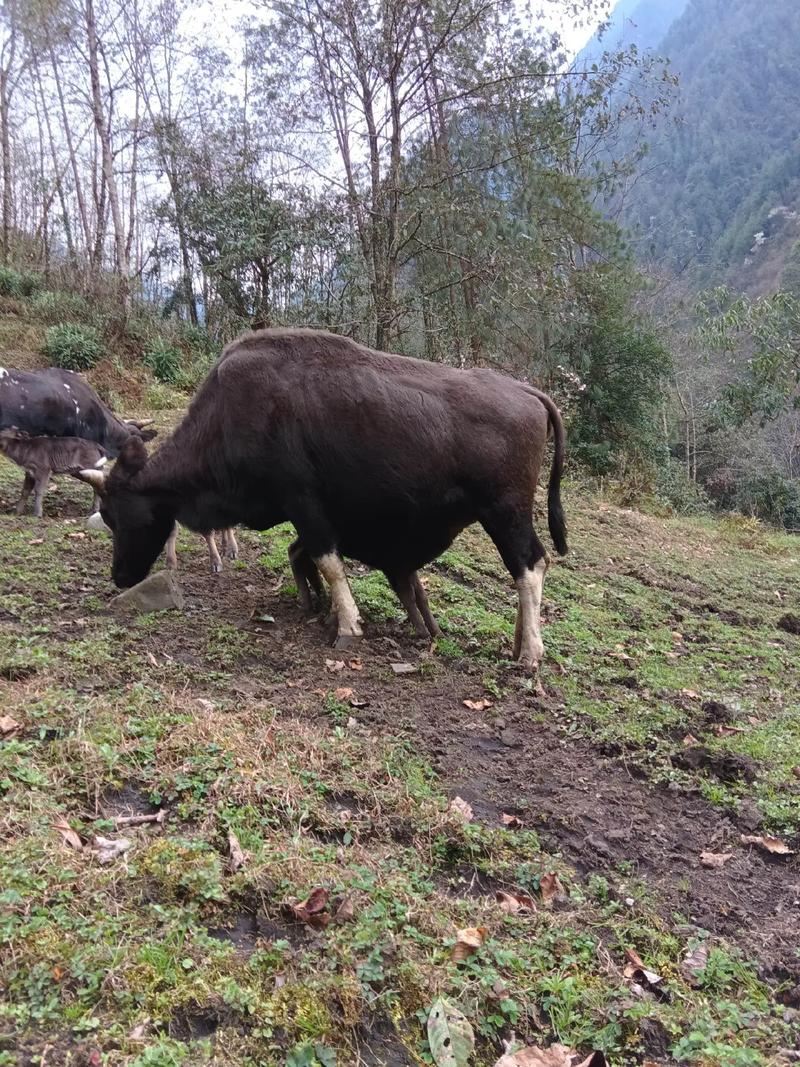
(157, 592)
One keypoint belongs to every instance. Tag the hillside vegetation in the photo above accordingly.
(604, 809)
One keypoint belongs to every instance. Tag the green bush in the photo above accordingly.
(165, 360)
(73, 347)
(18, 283)
(57, 307)
(676, 489)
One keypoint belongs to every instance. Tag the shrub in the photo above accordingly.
(18, 283)
(164, 359)
(676, 489)
(73, 347)
(56, 307)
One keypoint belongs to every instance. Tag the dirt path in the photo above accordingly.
(514, 757)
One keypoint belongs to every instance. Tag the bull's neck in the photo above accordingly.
(179, 466)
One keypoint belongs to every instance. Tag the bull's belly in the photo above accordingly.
(398, 545)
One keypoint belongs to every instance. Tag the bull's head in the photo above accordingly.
(138, 519)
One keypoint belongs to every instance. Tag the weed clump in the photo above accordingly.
(73, 347)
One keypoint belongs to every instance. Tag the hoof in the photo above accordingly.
(344, 642)
(232, 553)
(216, 568)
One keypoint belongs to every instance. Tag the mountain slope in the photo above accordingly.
(633, 22)
(720, 189)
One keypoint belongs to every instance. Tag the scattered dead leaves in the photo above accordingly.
(462, 808)
(551, 888)
(694, 963)
(468, 941)
(312, 909)
(107, 849)
(68, 835)
(555, 1056)
(334, 665)
(513, 822)
(236, 852)
(635, 968)
(514, 903)
(9, 726)
(715, 859)
(343, 693)
(769, 844)
(478, 705)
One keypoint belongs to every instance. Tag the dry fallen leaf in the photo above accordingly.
(715, 859)
(796, 771)
(343, 693)
(79, 536)
(106, 849)
(450, 1035)
(513, 822)
(468, 941)
(36, 541)
(356, 664)
(68, 835)
(635, 968)
(690, 741)
(206, 705)
(555, 1056)
(694, 962)
(462, 808)
(8, 725)
(237, 855)
(312, 909)
(513, 903)
(477, 705)
(769, 844)
(346, 910)
(551, 888)
(722, 730)
(334, 665)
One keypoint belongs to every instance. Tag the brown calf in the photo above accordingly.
(41, 457)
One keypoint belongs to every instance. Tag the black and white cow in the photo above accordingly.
(379, 457)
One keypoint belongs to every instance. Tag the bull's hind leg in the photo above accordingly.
(306, 576)
(27, 488)
(412, 596)
(229, 544)
(213, 552)
(523, 553)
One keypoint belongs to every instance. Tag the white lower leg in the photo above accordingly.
(172, 555)
(529, 587)
(342, 603)
(229, 544)
(213, 553)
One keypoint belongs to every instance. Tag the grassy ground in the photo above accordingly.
(668, 724)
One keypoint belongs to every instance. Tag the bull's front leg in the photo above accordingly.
(348, 630)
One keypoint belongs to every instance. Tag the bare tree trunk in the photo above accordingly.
(5, 138)
(104, 137)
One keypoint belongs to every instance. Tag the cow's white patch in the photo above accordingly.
(102, 461)
(66, 387)
(332, 570)
(529, 587)
(3, 373)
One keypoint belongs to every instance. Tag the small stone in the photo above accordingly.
(404, 668)
(790, 623)
(509, 739)
(157, 592)
(750, 816)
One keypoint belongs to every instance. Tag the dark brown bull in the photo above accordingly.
(374, 456)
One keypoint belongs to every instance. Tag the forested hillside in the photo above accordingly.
(632, 22)
(719, 191)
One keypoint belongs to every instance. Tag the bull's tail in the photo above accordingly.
(555, 512)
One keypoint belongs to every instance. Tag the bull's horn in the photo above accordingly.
(94, 477)
(140, 423)
(95, 522)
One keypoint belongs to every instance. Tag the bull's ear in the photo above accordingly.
(133, 456)
(148, 435)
